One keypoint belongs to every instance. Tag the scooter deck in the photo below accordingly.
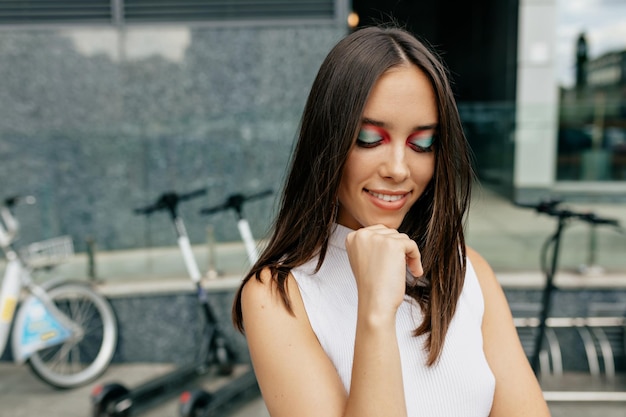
(234, 393)
(155, 391)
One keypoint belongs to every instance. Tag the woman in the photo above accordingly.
(366, 301)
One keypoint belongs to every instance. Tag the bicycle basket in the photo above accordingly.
(50, 252)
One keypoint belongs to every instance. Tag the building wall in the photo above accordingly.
(97, 121)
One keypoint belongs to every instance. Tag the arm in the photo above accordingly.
(294, 373)
(518, 393)
(296, 376)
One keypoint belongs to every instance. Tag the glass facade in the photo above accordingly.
(591, 62)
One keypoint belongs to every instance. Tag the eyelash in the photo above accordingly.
(384, 138)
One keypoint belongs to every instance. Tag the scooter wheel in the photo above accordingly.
(104, 398)
(194, 403)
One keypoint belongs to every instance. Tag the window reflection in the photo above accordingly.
(592, 83)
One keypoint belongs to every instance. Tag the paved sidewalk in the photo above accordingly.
(22, 395)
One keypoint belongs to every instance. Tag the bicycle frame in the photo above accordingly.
(38, 322)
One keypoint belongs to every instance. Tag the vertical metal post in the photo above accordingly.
(593, 242)
(591, 267)
(211, 272)
(117, 12)
(91, 258)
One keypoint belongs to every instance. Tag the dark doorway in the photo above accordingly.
(476, 39)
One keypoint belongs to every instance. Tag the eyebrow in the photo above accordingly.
(378, 123)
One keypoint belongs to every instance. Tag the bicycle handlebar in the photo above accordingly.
(9, 225)
(12, 201)
(169, 201)
(235, 202)
(549, 207)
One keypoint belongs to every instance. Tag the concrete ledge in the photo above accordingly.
(584, 396)
(509, 280)
(564, 280)
(167, 286)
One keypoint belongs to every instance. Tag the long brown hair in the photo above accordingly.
(331, 119)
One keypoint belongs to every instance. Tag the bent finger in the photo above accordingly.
(414, 259)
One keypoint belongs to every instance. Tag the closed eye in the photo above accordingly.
(421, 141)
(370, 136)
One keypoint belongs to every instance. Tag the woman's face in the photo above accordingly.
(392, 161)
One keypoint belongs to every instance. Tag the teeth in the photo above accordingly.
(387, 197)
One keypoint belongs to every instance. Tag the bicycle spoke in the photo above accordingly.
(94, 329)
(74, 308)
(63, 353)
(74, 358)
(51, 357)
(84, 307)
(89, 312)
(77, 361)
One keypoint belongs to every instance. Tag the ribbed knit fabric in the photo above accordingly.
(459, 384)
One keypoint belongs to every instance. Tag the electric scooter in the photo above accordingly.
(199, 402)
(551, 208)
(216, 357)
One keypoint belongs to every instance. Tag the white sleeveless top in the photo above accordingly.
(459, 384)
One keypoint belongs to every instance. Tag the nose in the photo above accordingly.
(395, 166)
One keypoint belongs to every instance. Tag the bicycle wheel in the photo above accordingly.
(77, 362)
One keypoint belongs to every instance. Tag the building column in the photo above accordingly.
(536, 101)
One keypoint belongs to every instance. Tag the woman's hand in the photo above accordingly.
(379, 257)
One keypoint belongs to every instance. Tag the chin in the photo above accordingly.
(392, 224)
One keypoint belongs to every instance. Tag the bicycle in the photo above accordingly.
(64, 330)
(215, 355)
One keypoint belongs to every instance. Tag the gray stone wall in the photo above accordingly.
(98, 121)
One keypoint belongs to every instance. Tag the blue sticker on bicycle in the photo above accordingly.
(41, 329)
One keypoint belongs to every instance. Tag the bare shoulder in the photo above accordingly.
(259, 292)
(262, 303)
(291, 367)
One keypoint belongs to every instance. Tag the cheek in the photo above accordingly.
(424, 169)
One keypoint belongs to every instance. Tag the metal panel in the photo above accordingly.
(235, 10)
(120, 12)
(52, 11)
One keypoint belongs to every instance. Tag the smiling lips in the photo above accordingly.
(388, 201)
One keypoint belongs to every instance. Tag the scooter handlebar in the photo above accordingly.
(169, 201)
(192, 194)
(594, 219)
(258, 195)
(549, 207)
(544, 206)
(235, 201)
